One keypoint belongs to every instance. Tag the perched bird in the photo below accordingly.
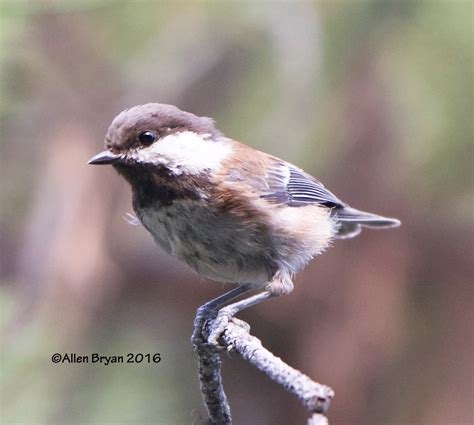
(232, 213)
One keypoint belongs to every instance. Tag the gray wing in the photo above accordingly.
(289, 185)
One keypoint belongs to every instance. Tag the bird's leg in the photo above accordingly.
(225, 314)
(210, 310)
(281, 284)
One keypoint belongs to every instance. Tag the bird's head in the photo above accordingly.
(156, 134)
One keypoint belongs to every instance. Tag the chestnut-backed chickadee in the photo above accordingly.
(232, 213)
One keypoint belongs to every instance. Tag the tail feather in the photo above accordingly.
(351, 221)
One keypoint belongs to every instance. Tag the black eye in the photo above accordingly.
(147, 138)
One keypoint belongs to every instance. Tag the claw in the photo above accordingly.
(200, 322)
(240, 323)
(218, 325)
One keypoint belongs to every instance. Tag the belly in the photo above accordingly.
(215, 246)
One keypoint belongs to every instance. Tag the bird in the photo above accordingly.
(232, 213)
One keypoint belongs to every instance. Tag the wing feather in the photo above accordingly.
(296, 188)
(279, 182)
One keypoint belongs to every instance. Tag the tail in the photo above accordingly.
(351, 221)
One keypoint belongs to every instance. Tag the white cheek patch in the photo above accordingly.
(185, 152)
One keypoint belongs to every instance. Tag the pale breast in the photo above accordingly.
(216, 246)
(236, 244)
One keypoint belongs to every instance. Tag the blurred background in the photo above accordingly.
(372, 97)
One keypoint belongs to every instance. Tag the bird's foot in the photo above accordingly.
(241, 323)
(203, 316)
(214, 329)
(218, 325)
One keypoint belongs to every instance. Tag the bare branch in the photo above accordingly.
(318, 419)
(211, 385)
(315, 397)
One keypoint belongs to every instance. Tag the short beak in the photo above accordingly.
(105, 157)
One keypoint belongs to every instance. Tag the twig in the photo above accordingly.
(211, 385)
(318, 419)
(314, 397)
